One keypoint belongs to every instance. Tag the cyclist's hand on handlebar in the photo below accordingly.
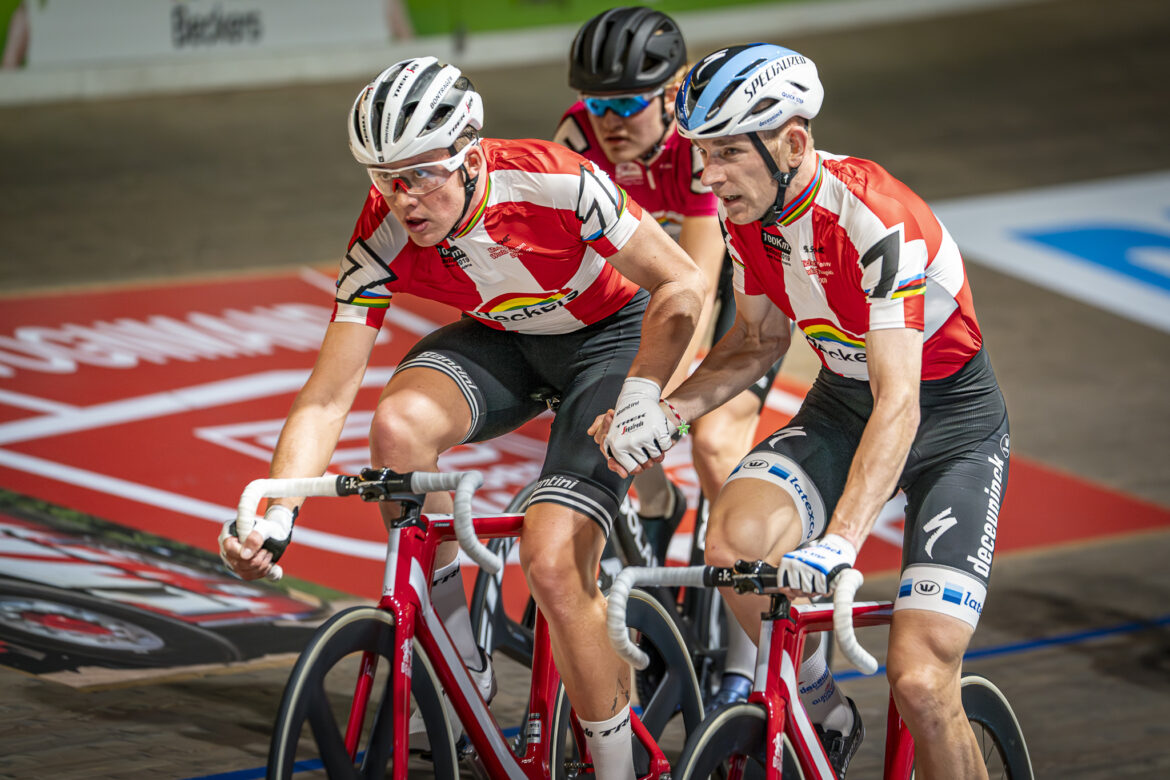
(809, 570)
(640, 432)
(248, 560)
(253, 558)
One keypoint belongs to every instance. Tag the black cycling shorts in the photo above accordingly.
(954, 478)
(725, 318)
(509, 378)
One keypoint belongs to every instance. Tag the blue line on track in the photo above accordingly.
(983, 652)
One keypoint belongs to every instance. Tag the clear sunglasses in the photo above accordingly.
(624, 106)
(418, 179)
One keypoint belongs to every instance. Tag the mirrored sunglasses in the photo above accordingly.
(417, 179)
(622, 105)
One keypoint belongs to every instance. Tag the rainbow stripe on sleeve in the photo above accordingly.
(915, 285)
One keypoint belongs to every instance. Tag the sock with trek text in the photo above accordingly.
(451, 606)
(611, 746)
(819, 693)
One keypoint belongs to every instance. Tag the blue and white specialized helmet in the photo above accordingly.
(414, 106)
(745, 89)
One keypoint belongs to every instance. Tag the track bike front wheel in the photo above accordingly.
(998, 732)
(321, 691)
(731, 745)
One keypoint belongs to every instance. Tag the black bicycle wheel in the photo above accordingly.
(735, 733)
(320, 691)
(1001, 741)
(93, 630)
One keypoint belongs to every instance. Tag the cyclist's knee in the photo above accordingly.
(750, 522)
(409, 433)
(923, 670)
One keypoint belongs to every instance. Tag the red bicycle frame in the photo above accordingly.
(406, 594)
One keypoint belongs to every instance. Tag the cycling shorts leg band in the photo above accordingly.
(443, 363)
(790, 477)
(941, 589)
(567, 490)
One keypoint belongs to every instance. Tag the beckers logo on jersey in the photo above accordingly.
(833, 343)
(514, 307)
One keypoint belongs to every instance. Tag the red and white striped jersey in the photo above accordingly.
(530, 256)
(859, 251)
(667, 186)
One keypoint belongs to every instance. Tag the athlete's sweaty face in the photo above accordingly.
(736, 173)
(628, 138)
(429, 218)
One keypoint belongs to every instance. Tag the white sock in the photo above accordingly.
(655, 498)
(451, 606)
(741, 652)
(610, 744)
(820, 695)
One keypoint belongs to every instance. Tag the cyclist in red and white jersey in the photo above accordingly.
(906, 397)
(558, 272)
(627, 65)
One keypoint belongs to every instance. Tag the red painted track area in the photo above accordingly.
(156, 420)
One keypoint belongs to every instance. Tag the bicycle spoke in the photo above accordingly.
(330, 740)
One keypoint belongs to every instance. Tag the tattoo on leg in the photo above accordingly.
(623, 694)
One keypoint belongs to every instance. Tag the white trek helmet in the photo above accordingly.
(743, 90)
(414, 106)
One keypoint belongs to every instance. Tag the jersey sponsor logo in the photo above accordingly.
(514, 307)
(936, 527)
(1005, 444)
(453, 256)
(774, 244)
(628, 173)
(835, 343)
(502, 248)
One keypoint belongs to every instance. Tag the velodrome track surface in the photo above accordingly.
(147, 194)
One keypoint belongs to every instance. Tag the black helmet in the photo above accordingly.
(626, 49)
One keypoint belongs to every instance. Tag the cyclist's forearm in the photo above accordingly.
(739, 359)
(667, 328)
(873, 474)
(306, 444)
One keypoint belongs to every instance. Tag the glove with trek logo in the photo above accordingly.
(642, 427)
(811, 568)
(276, 527)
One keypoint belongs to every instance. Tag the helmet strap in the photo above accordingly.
(469, 185)
(667, 118)
(772, 215)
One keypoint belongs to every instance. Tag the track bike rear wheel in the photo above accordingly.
(730, 745)
(677, 692)
(320, 691)
(998, 732)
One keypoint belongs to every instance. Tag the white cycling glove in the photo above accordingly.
(641, 429)
(275, 527)
(812, 568)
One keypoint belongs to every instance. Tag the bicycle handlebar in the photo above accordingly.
(464, 484)
(846, 585)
